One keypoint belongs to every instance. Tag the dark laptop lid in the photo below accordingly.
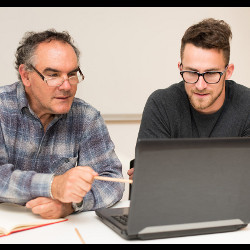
(190, 181)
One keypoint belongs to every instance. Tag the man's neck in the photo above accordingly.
(46, 119)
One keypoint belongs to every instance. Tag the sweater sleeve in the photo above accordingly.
(246, 132)
(154, 122)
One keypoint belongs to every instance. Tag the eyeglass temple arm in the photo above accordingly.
(38, 72)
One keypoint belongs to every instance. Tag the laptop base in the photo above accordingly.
(168, 231)
(185, 187)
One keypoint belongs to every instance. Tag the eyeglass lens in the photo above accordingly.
(58, 81)
(209, 77)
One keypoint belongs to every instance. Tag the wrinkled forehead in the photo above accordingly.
(55, 54)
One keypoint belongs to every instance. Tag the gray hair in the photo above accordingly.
(29, 43)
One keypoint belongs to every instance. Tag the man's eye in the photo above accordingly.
(72, 74)
(53, 75)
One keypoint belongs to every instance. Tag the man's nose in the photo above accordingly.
(201, 84)
(66, 85)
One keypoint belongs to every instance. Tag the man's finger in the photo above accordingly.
(87, 174)
(38, 201)
(43, 209)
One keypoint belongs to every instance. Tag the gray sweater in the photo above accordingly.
(169, 114)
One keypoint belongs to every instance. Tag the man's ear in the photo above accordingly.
(24, 75)
(230, 71)
(179, 66)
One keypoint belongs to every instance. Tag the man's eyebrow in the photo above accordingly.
(74, 70)
(190, 68)
(207, 70)
(56, 70)
(50, 69)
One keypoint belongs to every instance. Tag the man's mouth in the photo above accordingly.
(62, 97)
(201, 94)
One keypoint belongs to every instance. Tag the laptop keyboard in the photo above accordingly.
(123, 219)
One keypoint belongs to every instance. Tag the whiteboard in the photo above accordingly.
(126, 53)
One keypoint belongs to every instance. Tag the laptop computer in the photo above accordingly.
(185, 187)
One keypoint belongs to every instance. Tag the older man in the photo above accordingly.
(52, 144)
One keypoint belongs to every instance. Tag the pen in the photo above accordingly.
(80, 237)
(101, 178)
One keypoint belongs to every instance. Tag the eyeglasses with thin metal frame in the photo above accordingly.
(210, 77)
(58, 81)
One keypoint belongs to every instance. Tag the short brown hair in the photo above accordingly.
(209, 34)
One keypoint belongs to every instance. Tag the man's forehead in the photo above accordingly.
(55, 48)
(207, 59)
(192, 49)
(56, 54)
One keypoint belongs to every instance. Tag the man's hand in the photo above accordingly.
(73, 185)
(49, 209)
(67, 188)
(131, 173)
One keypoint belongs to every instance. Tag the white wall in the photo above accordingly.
(127, 53)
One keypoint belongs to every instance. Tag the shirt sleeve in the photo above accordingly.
(20, 186)
(97, 151)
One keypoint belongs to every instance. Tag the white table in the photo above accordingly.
(94, 231)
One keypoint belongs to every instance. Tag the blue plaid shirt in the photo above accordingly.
(30, 157)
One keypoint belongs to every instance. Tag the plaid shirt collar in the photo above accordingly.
(21, 97)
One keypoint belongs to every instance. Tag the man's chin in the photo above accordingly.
(61, 111)
(62, 107)
(201, 106)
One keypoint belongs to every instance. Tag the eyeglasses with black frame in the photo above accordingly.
(57, 81)
(210, 77)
